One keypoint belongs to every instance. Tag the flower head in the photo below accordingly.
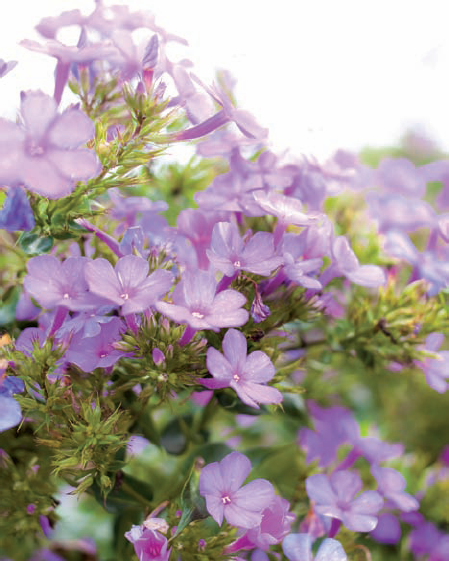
(246, 375)
(221, 485)
(45, 152)
(335, 497)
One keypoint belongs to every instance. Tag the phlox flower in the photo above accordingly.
(221, 486)
(196, 303)
(44, 152)
(16, 213)
(10, 412)
(276, 522)
(52, 283)
(335, 497)
(89, 353)
(436, 369)
(229, 253)
(391, 484)
(298, 547)
(246, 375)
(345, 263)
(149, 545)
(128, 284)
(6, 67)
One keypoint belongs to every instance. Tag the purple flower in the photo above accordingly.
(16, 213)
(298, 547)
(400, 176)
(333, 426)
(436, 369)
(335, 497)
(391, 484)
(276, 522)
(128, 284)
(229, 253)
(97, 352)
(221, 485)
(45, 152)
(52, 283)
(84, 54)
(246, 375)
(388, 529)
(346, 263)
(6, 67)
(149, 545)
(196, 303)
(287, 209)
(11, 414)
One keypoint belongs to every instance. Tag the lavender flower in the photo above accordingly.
(275, 525)
(391, 485)
(97, 352)
(436, 369)
(52, 283)
(149, 545)
(45, 152)
(221, 486)
(228, 252)
(128, 284)
(196, 303)
(246, 375)
(6, 67)
(335, 497)
(298, 547)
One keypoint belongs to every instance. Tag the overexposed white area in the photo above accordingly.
(320, 74)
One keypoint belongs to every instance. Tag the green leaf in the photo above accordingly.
(35, 244)
(8, 305)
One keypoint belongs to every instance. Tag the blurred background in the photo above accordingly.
(320, 75)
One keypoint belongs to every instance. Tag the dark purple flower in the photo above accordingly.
(246, 375)
(196, 303)
(388, 529)
(10, 412)
(229, 253)
(128, 285)
(221, 486)
(298, 547)
(335, 497)
(16, 213)
(45, 153)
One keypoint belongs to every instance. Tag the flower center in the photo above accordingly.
(125, 296)
(66, 296)
(236, 377)
(198, 315)
(226, 500)
(237, 263)
(34, 149)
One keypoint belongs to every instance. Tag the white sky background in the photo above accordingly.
(320, 74)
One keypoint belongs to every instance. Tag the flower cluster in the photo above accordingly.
(221, 381)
